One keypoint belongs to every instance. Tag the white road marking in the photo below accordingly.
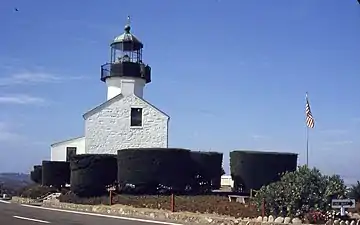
(102, 215)
(6, 202)
(30, 219)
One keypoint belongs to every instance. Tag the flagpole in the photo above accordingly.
(307, 136)
(307, 146)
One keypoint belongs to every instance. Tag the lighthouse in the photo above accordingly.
(125, 119)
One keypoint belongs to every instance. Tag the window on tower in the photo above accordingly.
(136, 117)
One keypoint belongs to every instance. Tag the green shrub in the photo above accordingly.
(36, 191)
(92, 173)
(151, 170)
(55, 173)
(36, 174)
(253, 169)
(70, 197)
(208, 170)
(300, 192)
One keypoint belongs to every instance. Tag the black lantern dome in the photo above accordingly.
(126, 58)
(127, 41)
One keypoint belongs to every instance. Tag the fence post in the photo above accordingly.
(263, 207)
(172, 202)
(110, 197)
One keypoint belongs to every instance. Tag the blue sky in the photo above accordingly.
(231, 74)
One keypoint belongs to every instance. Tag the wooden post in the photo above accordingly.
(263, 208)
(110, 197)
(172, 202)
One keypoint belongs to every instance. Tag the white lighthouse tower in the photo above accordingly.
(126, 73)
(125, 119)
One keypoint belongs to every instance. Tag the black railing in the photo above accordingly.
(105, 71)
(126, 69)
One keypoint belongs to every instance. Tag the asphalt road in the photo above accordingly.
(16, 214)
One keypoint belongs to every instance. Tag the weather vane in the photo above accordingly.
(128, 21)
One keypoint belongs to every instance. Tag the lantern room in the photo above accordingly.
(126, 48)
(126, 72)
(126, 59)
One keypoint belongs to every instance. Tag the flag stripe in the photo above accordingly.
(310, 122)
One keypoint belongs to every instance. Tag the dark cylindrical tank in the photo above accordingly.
(253, 169)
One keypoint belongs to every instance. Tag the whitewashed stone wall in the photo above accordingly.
(109, 129)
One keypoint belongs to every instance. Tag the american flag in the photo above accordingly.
(310, 122)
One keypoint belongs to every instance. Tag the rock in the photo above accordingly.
(358, 222)
(287, 220)
(259, 219)
(279, 220)
(265, 219)
(337, 222)
(209, 220)
(355, 216)
(329, 222)
(242, 222)
(271, 219)
(347, 222)
(296, 221)
(342, 222)
(353, 222)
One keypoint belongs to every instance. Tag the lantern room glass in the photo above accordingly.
(120, 54)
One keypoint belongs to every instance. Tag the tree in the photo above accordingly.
(354, 191)
(300, 192)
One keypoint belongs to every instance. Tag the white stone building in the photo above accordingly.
(125, 120)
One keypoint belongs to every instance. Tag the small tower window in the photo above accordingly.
(136, 117)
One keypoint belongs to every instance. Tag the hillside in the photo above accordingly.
(11, 182)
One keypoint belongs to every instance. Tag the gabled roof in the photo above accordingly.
(67, 140)
(102, 106)
(115, 99)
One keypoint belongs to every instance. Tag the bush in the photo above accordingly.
(208, 170)
(196, 204)
(36, 174)
(252, 169)
(149, 170)
(92, 173)
(36, 191)
(315, 217)
(300, 192)
(55, 173)
(70, 197)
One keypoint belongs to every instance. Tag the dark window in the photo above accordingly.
(70, 152)
(136, 117)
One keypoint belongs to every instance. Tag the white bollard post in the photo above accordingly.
(342, 211)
